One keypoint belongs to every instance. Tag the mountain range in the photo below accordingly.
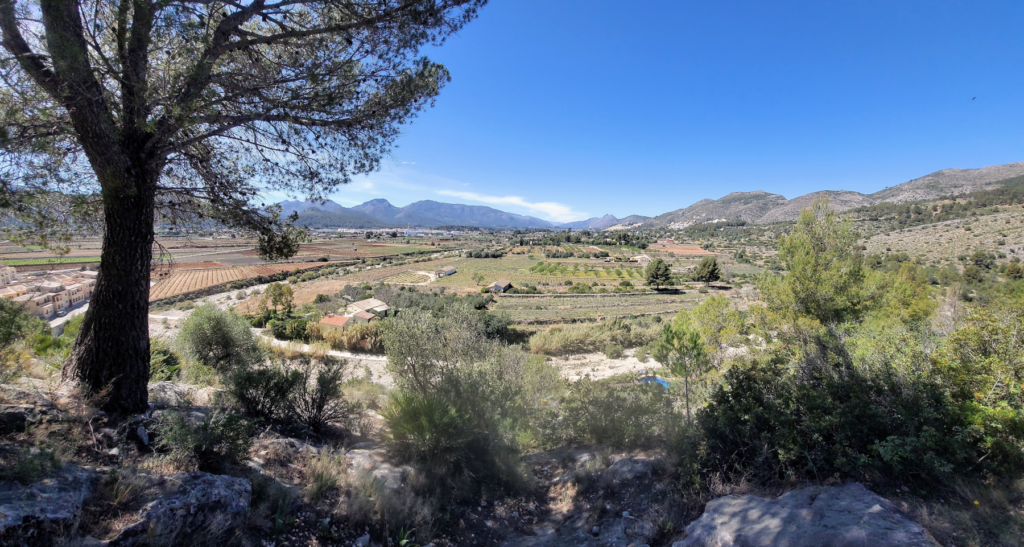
(762, 207)
(380, 213)
(756, 207)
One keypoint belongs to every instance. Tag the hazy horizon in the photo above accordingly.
(572, 110)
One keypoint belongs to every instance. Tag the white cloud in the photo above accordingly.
(553, 211)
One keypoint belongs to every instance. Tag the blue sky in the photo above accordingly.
(568, 109)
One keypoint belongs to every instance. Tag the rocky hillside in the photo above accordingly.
(761, 207)
(949, 181)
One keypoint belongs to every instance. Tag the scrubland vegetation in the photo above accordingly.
(848, 366)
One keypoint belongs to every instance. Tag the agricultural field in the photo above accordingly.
(577, 270)
(945, 241)
(478, 272)
(50, 261)
(183, 281)
(174, 281)
(591, 307)
(408, 278)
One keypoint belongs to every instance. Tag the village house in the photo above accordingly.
(334, 323)
(369, 305)
(643, 260)
(500, 286)
(7, 275)
(363, 317)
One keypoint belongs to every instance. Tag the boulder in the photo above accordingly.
(834, 516)
(14, 418)
(374, 464)
(44, 507)
(172, 394)
(187, 508)
(629, 469)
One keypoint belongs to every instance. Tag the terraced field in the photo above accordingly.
(581, 307)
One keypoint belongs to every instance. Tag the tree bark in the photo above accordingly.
(111, 355)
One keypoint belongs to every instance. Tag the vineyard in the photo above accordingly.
(175, 281)
(184, 281)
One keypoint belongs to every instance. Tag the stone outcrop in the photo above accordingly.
(184, 508)
(835, 516)
(45, 507)
(173, 394)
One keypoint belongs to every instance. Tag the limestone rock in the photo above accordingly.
(49, 504)
(14, 418)
(628, 469)
(185, 504)
(374, 463)
(835, 516)
(172, 394)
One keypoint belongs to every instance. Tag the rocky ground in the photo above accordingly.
(113, 488)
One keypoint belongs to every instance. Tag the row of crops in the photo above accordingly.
(585, 271)
(550, 309)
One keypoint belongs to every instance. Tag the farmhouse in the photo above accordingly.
(443, 273)
(364, 317)
(501, 286)
(643, 260)
(370, 304)
(334, 323)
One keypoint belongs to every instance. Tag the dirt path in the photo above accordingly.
(597, 366)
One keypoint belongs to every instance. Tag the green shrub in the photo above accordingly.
(464, 405)
(768, 423)
(219, 441)
(19, 464)
(623, 416)
(583, 338)
(164, 364)
(289, 329)
(613, 351)
(218, 339)
(316, 399)
(263, 392)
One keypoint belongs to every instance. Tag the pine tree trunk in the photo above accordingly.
(110, 358)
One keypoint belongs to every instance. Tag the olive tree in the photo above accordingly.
(117, 114)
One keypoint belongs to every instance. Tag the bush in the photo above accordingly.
(20, 465)
(263, 392)
(583, 338)
(218, 339)
(768, 423)
(361, 337)
(464, 405)
(218, 442)
(164, 364)
(316, 399)
(289, 329)
(613, 351)
(621, 416)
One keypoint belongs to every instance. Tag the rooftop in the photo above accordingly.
(334, 320)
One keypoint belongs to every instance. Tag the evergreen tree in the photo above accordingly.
(657, 273)
(708, 271)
